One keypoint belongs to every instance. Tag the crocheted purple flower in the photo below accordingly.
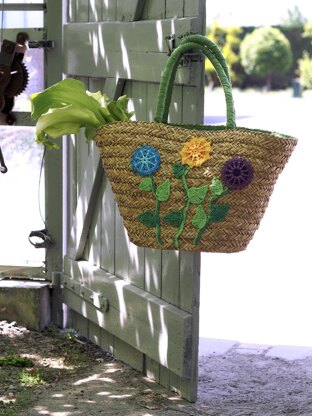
(237, 173)
(145, 160)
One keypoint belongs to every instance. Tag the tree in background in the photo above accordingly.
(305, 64)
(294, 19)
(228, 40)
(266, 51)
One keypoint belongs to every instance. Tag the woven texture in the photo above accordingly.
(189, 189)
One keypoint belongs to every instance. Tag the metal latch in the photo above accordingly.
(171, 42)
(46, 240)
(45, 44)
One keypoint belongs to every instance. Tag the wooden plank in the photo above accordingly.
(138, 94)
(129, 258)
(96, 282)
(130, 10)
(93, 247)
(82, 325)
(128, 354)
(164, 333)
(170, 285)
(152, 369)
(144, 66)
(107, 341)
(85, 205)
(151, 102)
(92, 250)
(194, 8)
(155, 9)
(71, 10)
(109, 10)
(103, 37)
(152, 282)
(175, 111)
(189, 301)
(95, 10)
(88, 192)
(128, 53)
(108, 228)
(170, 353)
(82, 11)
(94, 333)
(53, 161)
(174, 8)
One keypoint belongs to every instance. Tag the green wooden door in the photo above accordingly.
(140, 304)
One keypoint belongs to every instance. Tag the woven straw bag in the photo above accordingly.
(195, 188)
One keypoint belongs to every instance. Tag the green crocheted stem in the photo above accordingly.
(185, 209)
(213, 53)
(209, 220)
(157, 213)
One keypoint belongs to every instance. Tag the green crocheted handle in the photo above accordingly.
(213, 53)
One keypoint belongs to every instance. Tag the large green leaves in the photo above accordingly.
(63, 93)
(65, 120)
(66, 106)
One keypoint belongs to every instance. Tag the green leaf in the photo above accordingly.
(219, 212)
(148, 218)
(216, 187)
(179, 170)
(146, 184)
(200, 218)
(163, 191)
(174, 218)
(197, 195)
(66, 106)
(68, 91)
(65, 120)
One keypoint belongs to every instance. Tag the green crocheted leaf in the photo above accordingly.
(216, 187)
(174, 218)
(199, 220)
(197, 195)
(179, 170)
(148, 218)
(219, 212)
(146, 184)
(163, 191)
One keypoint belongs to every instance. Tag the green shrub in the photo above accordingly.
(228, 40)
(305, 71)
(266, 51)
(16, 361)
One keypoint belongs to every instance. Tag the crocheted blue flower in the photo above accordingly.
(145, 161)
(237, 173)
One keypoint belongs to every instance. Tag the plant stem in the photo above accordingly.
(157, 213)
(185, 209)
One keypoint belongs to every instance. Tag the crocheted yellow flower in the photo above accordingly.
(196, 151)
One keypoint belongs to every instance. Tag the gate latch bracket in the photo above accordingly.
(171, 41)
(42, 235)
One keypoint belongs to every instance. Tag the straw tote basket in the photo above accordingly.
(192, 187)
